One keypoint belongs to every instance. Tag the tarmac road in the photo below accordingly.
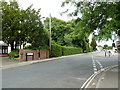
(69, 72)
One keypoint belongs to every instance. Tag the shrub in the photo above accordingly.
(70, 50)
(13, 54)
(91, 49)
(32, 47)
(110, 47)
(28, 47)
(56, 50)
(87, 48)
(105, 46)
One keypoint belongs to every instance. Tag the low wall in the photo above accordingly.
(4, 55)
(29, 54)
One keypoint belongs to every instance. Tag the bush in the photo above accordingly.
(105, 46)
(31, 47)
(110, 47)
(87, 48)
(70, 50)
(91, 49)
(56, 50)
(13, 54)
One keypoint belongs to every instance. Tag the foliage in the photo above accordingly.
(97, 15)
(71, 50)
(69, 33)
(91, 49)
(80, 36)
(32, 47)
(21, 26)
(60, 30)
(110, 47)
(105, 46)
(93, 44)
(13, 54)
(56, 50)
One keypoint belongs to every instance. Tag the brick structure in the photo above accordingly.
(30, 54)
(3, 49)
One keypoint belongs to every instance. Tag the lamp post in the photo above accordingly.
(50, 32)
(19, 38)
(19, 41)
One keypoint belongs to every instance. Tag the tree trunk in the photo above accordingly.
(24, 45)
(16, 45)
(12, 46)
(20, 46)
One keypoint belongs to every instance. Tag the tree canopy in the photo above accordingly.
(21, 26)
(60, 30)
(101, 16)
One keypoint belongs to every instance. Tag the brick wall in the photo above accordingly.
(25, 54)
(4, 55)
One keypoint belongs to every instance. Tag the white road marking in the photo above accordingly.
(94, 65)
(101, 67)
(95, 69)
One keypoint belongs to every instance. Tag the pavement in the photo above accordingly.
(6, 63)
(63, 72)
(103, 79)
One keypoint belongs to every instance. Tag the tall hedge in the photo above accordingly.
(70, 50)
(56, 50)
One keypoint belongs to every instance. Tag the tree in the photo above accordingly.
(93, 44)
(105, 46)
(36, 34)
(96, 14)
(60, 30)
(22, 26)
(10, 22)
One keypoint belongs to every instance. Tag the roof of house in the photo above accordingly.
(3, 44)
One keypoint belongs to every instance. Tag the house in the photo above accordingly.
(3, 49)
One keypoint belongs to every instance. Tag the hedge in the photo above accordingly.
(36, 48)
(58, 50)
(70, 50)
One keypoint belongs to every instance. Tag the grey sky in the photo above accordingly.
(47, 6)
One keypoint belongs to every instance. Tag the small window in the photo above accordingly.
(0, 51)
(3, 51)
(6, 51)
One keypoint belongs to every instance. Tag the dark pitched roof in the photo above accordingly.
(3, 44)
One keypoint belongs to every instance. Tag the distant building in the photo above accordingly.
(99, 48)
(3, 49)
(118, 44)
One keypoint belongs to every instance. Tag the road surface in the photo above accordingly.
(69, 72)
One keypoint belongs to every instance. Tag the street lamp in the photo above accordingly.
(19, 38)
(50, 32)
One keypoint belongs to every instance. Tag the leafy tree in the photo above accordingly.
(37, 35)
(60, 30)
(22, 26)
(105, 46)
(10, 22)
(96, 14)
(93, 44)
(69, 33)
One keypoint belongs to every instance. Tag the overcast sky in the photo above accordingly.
(53, 7)
(50, 6)
(47, 7)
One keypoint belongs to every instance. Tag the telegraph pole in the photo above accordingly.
(50, 33)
